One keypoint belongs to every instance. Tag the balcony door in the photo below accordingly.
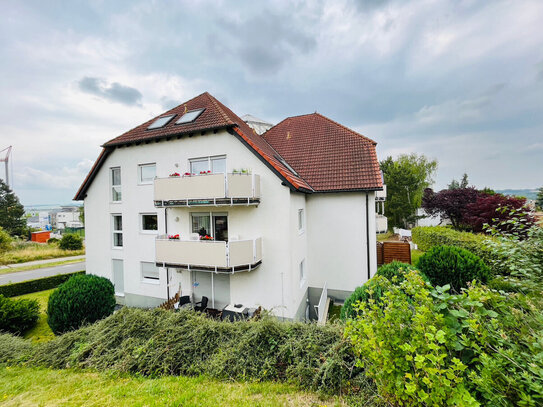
(211, 224)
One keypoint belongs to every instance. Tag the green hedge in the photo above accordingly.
(17, 316)
(32, 286)
(431, 236)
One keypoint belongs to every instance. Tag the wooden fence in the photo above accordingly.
(390, 251)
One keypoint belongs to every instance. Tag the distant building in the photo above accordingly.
(67, 217)
(258, 125)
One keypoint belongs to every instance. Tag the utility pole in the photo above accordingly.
(5, 160)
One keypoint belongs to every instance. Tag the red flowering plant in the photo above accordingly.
(173, 237)
(175, 174)
(206, 237)
(187, 174)
(205, 172)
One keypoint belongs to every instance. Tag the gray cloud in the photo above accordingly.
(114, 91)
(267, 41)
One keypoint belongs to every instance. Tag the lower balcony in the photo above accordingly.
(213, 256)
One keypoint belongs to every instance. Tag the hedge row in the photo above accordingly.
(31, 286)
(431, 236)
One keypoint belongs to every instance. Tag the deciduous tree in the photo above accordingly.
(406, 178)
(449, 203)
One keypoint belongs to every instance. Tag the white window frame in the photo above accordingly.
(115, 231)
(113, 186)
(149, 280)
(209, 165)
(303, 272)
(148, 231)
(140, 180)
(301, 221)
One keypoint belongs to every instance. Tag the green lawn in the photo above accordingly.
(383, 237)
(41, 332)
(30, 251)
(38, 386)
(415, 254)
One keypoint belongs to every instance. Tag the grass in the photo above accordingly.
(28, 251)
(40, 386)
(38, 266)
(415, 254)
(41, 332)
(383, 237)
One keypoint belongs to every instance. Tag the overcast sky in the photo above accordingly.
(458, 81)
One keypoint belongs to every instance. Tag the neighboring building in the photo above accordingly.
(258, 125)
(290, 211)
(67, 217)
(39, 220)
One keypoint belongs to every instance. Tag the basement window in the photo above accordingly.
(161, 122)
(189, 117)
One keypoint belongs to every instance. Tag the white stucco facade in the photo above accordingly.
(328, 232)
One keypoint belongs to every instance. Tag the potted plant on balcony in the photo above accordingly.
(173, 237)
(205, 172)
(206, 238)
(175, 174)
(188, 174)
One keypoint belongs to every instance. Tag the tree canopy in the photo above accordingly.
(11, 211)
(406, 177)
(539, 198)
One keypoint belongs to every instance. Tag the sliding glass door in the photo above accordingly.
(210, 224)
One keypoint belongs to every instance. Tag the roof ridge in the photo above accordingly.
(219, 108)
(346, 128)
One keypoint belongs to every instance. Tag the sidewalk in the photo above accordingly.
(38, 262)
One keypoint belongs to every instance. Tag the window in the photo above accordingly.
(160, 122)
(211, 224)
(117, 231)
(300, 220)
(217, 165)
(189, 117)
(149, 273)
(116, 184)
(302, 272)
(149, 222)
(118, 276)
(146, 173)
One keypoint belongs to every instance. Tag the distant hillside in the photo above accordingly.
(527, 193)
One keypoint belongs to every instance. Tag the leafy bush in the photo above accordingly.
(71, 241)
(32, 286)
(158, 342)
(402, 345)
(16, 316)
(82, 299)
(454, 266)
(395, 269)
(372, 289)
(53, 240)
(5, 240)
(430, 236)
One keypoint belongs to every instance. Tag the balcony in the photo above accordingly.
(207, 190)
(381, 195)
(214, 256)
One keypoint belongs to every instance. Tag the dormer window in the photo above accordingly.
(189, 117)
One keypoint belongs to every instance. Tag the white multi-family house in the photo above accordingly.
(195, 201)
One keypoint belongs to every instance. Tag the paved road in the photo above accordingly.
(39, 262)
(39, 273)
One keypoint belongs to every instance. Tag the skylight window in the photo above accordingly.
(189, 117)
(161, 122)
(282, 160)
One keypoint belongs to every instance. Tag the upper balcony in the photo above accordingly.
(214, 256)
(208, 190)
(381, 195)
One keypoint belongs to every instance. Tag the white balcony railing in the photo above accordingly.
(381, 195)
(381, 224)
(214, 256)
(209, 189)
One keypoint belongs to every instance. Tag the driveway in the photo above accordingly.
(40, 273)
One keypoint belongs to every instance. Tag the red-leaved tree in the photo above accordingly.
(495, 210)
(450, 203)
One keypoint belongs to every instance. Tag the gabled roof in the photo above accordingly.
(292, 171)
(327, 155)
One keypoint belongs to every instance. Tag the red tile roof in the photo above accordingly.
(327, 155)
(337, 154)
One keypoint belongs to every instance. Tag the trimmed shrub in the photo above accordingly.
(5, 240)
(17, 316)
(53, 240)
(80, 300)
(454, 266)
(372, 289)
(71, 241)
(32, 286)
